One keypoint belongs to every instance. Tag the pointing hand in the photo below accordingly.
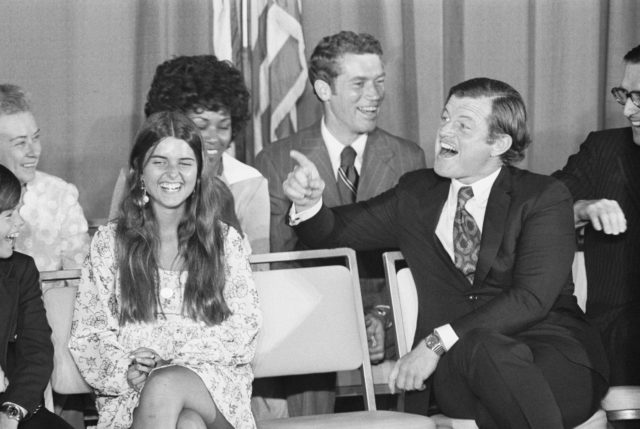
(303, 186)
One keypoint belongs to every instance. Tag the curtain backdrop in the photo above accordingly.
(88, 65)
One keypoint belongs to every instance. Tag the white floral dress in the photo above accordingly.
(220, 354)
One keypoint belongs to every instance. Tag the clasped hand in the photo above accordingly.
(303, 186)
(375, 337)
(411, 370)
(143, 360)
(604, 215)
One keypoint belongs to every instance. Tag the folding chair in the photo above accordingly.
(313, 323)
(58, 302)
(404, 301)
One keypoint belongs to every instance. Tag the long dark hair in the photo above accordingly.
(200, 233)
(10, 189)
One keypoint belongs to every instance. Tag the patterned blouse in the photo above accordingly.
(55, 229)
(220, 355)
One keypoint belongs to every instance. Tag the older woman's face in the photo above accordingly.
(20, 144)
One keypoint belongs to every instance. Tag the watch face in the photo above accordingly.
(431, 341)
(12, 412)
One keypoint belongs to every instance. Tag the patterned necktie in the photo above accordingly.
(347, 176)
(466, 236)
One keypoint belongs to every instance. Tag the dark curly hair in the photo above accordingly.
(10, 189)
(323, 64)
(633, 56)
(200, 82)
(508, 113)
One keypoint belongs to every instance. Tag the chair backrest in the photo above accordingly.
(404, 299)
(59, 301)
(312, 316)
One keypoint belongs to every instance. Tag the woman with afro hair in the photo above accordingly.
(212, 93)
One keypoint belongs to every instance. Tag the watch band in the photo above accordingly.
(433, 343)
(12, 411)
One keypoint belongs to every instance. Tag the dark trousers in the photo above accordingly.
(620, 330)
(503, 382)
(44, 419)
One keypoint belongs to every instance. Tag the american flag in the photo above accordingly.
(264, 39)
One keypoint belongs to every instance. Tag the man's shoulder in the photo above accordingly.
(400, 144)
(611, 138)
(17, 264)
(526, 183)
(275, 158)
(290, 142)
(423, 178)
(48, 183)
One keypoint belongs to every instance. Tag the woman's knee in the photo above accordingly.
(165, 382)
(189, 419)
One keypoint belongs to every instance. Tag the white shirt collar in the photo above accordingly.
(335, 147)
(481, 188)
(234, 171)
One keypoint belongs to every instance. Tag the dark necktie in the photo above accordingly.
(347, 176)
(466, 236)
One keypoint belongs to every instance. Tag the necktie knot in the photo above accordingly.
(464, 194)
(347, 157)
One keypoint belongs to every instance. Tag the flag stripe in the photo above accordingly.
(264, 38)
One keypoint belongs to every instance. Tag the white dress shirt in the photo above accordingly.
(476, 206)
(335, 147)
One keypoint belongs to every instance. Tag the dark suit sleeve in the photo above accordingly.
(581, 170)
(33, 347)
(543, 250)
(352, 225)
(274, 168)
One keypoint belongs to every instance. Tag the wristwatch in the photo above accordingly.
(433, 343)
(12, 411)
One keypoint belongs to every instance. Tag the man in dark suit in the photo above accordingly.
(604, 179)
(26, 352)
(347, 75)
(500, 337)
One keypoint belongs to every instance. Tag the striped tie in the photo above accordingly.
(466, 236)
(347, 176)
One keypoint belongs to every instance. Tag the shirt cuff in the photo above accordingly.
(296, 218)
(447, 335)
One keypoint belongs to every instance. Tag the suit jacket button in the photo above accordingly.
(473, 297)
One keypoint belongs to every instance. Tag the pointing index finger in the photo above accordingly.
(302, 160)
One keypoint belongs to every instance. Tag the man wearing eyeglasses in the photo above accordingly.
(604, 178)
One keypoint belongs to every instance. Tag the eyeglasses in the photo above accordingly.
(621, 95)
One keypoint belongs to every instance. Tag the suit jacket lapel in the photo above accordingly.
(494, 223)
(429, 208)
(628, 165)
(377, 167)
(314, 148)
